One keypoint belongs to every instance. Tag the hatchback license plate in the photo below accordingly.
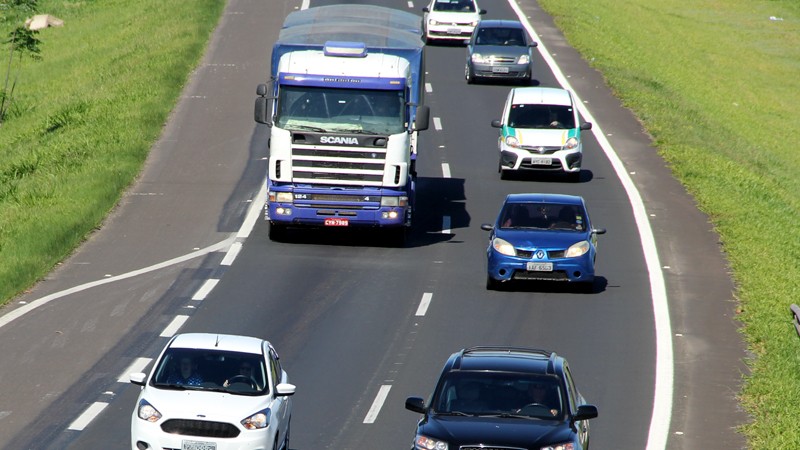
(539, 267)
(198, 445)
(541, 161)
(336, 222)
(500, 69)
(454, 31)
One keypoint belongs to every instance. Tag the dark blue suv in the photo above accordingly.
(503, 397)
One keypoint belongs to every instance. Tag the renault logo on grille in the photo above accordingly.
(540, 254)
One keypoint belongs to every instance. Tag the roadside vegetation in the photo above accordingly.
(717, 85)
(83, 118)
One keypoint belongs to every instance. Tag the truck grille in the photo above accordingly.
(338, 165)
(202, 428)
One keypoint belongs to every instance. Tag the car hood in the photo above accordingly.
(547, 239)
(459, 17)
(495, 432)
(204, 405)
(541, 137)
(500, 50)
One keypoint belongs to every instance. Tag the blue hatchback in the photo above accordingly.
(542, 237)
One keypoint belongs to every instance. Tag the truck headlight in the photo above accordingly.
(571, 143)
(512, 141)
(282, 197)
(401, 200)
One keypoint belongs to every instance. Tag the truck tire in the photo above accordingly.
(277, 232)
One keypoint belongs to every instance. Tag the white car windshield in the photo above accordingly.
(199, 369)
(541, 116)
(454, 6)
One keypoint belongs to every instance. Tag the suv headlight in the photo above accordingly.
(524, 59)
(512, 141)
(562, 446)
(571, 143)
(258, 420)
(426, 443)
(503, 247)
(578, 249)
(147, 412)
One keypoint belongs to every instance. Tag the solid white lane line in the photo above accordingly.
(423, 305)
(665, 370)
(174, 326)
(437, 123)
(446, 225)
(254, 212)
(446, 170)
(233, 252)
(205, 289)
(84, 419)
(410, 5)
(372, 414)
(136, 366)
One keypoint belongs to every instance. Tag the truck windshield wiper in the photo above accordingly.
(309, 128)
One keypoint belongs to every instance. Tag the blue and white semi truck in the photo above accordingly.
(344, 103)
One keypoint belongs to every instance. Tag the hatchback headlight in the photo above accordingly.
(503, 247)
(426, 443)
(433, 22)
(578, 249)
(571, 143)
(512, 141)
(147, 412)
(524, 59)
(478, 58)
(258, 420)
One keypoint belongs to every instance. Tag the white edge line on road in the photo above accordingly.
(424, 303)
(665, 372)
(136, 366)
(205, 289)
(233, 252)
(174, 326)
(446, 170)
(437, 123)
(377, 404)
(21, 311)
(445, 224)
(254, 212)
(90, 413)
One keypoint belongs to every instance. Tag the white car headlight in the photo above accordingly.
(503, 247)
(524, 59)
(433, 22)
(258, 420)
(147, 412)
(564, 446)
(474, 23)
(578, 249)
(512, 141)
(571, 143)
(426, 443)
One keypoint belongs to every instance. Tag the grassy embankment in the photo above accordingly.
(84, 119)
(717, 84)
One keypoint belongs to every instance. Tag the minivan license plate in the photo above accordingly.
(542, 161)
(540, 267)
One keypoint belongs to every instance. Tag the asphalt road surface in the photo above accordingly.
(351, 316)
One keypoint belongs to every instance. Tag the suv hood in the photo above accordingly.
(496, 432)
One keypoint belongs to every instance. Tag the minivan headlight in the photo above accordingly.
(512, 141)
(571, 143)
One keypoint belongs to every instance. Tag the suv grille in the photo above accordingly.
(201, 428)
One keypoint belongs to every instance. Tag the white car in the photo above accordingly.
(450, 20)
(540, 131)
(213, 392)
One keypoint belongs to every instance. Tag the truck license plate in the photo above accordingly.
(541, 161)
(539, 267)
(198, 445)
(336, 222)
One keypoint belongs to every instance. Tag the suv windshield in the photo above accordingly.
(541, 117)
(500, 393)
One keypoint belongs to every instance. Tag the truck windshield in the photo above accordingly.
(341, 110)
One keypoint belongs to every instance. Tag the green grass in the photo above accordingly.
(717, 84)
(84, 119)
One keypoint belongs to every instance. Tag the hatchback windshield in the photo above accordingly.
(234, 372)
(552, 216)
(454, 6)
(500, 36)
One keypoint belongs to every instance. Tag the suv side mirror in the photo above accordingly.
(585, 412)
(416, 404)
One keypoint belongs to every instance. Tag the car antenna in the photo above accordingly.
(216, 344)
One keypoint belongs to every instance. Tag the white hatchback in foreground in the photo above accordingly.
(213, 392)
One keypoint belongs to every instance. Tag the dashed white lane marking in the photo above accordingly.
(446, 225)
(174, 326)
(372, 414)
(236, 247)
(446, 170)
(437, 123)
(205, 289)
(428, 87)
(305, 4)
(411, 5)
(91, 412)
(424, 303)
(136, 366)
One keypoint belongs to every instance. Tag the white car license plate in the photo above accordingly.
(336, 222)
(539, 267)
(454, 31)
(499, 69)
(541, 161)
(198, 445)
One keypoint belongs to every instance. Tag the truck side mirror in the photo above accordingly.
(261, 112)
(261, 90)
(422, 119)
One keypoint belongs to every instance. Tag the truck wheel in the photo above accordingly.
(400, 237)
(277, 232)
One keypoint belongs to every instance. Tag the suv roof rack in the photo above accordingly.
(550, 355)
